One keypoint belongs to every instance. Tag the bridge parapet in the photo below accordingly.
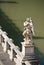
(10, 48)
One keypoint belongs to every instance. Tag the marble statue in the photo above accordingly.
(28, 29)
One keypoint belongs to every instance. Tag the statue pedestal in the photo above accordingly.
(28, 53)
(27, 49)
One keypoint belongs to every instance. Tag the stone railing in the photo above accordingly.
(9, 47)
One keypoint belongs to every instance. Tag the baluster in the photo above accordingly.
(5, 45)
(11, 54)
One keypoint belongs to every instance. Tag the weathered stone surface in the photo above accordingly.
(4, 58)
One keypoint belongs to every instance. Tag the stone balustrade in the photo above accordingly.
(9, 47)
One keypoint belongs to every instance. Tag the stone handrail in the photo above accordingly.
(10, 48)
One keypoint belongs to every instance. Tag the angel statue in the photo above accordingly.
(28, 29)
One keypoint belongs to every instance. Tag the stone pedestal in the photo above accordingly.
(29, 54)
(27, 49)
